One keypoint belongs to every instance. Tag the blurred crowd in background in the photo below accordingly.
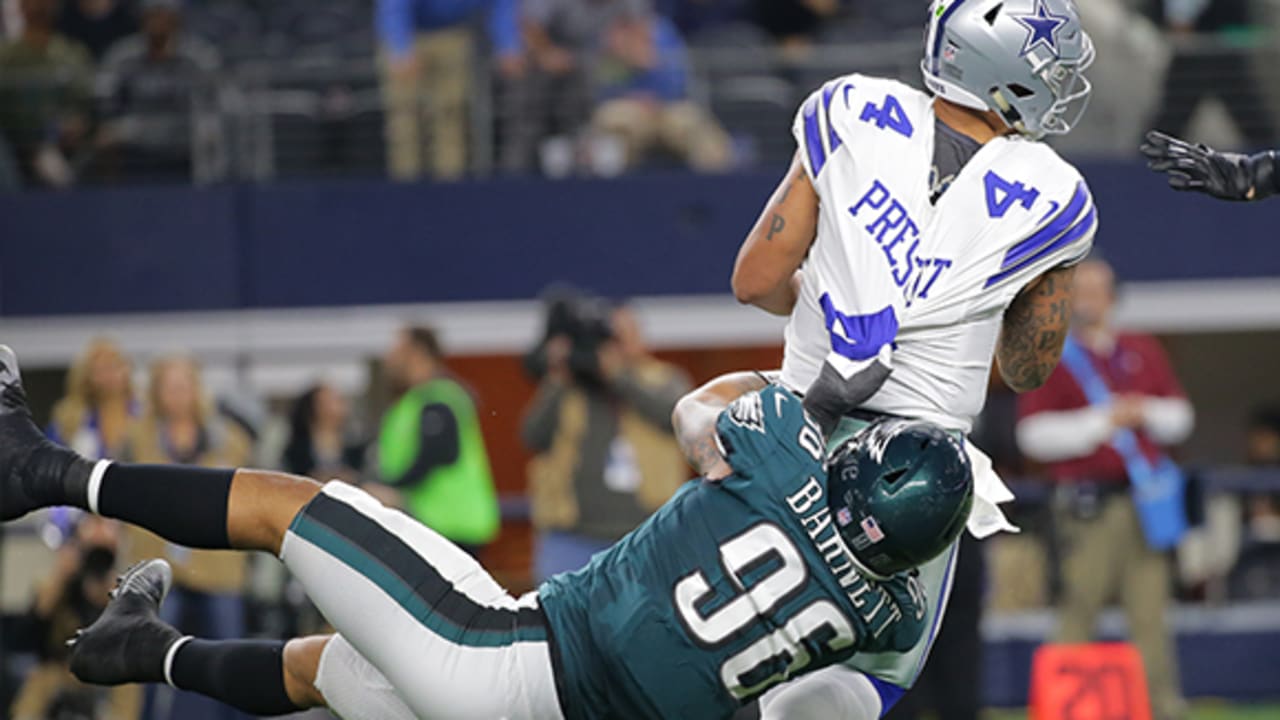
(598, 432)
(101, 91)
(104, 92)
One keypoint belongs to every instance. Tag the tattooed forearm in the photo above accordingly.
(703, 454)
(1034, 330)
(695, 420)
(778, 223)
(763, 274)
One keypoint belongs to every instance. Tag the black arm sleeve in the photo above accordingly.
(1267, 174)
(437, 446)
(831, 395)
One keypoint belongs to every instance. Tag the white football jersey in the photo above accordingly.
(923, 286)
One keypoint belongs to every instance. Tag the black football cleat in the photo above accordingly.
(34, 472)
(129, 641)
(19, 439)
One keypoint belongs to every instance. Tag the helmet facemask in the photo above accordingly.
(1025, 64)
(1065, 80)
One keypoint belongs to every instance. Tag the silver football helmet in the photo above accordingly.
(1024, 59)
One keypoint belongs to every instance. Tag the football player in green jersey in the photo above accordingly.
(780, 563)
(866, 686)
(1200, 168)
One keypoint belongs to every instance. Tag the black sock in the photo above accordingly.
(245, 674)
(184, 505)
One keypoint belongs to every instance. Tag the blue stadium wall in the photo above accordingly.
(368, 242)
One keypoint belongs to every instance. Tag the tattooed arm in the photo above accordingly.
(695, 420)
(767, 271)
(1035, 327)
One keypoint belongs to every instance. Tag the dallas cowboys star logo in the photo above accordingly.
(1043, 27)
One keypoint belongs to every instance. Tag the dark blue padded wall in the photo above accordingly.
(316, 244)
(125, 250)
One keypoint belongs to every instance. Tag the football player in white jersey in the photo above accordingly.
(915, 237)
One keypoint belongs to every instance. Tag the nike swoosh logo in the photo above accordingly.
(1052, 210)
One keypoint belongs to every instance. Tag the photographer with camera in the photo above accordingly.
(72, 595)
(601, 425)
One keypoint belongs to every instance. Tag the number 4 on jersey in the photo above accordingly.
(890, 115)
(1002, 194)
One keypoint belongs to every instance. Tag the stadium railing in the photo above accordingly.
(309, 117)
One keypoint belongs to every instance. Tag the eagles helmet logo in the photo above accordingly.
(748, 412)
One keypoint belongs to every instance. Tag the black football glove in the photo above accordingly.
(1229, 176)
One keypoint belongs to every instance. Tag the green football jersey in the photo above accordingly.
(731, 588)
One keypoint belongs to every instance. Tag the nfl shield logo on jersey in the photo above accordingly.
(872, 529)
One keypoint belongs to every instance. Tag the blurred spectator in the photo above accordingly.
(318, 444)
(427, 54)
(69, 598)
(96, 415)
(950, 684)
(431, 449)
(883, 20)
(179, 426)
(1093, 450)
(147, 88)
(644, 87)
(44, 97)
(1218, 68)
(601, 425)
(1263, 450)
(1256, 576)
(693, 17)
(1119, 108)
(794, 23)
(563, 39)
(10, 19)
(97, 24)
(10, 172)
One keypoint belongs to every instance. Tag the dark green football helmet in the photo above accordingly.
(900, 492)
